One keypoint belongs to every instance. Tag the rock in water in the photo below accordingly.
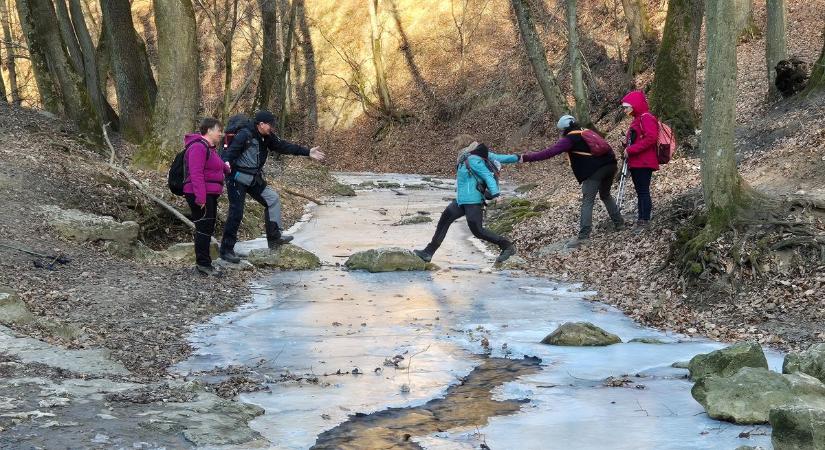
(413, 220)
(385, 260)
(811, 362)
(798, 427)
(648, 340)
(580, 334)
(81, 226)
(343, 190)
(285, 257)
(748, 396)
(727, 361)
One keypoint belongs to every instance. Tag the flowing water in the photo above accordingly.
(448, 359)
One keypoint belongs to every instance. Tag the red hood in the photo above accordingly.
(637, 100)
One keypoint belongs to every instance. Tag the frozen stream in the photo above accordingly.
(329, 320)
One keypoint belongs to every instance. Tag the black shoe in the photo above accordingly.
(230, 256)
(426, 257)
(275, 243)
(209, 271)
(506, 253)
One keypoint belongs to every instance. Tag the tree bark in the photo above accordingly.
(673, 96)
(126, 52)
(579, 89)
(3, 95)
(271, 57)
(556, 103)
(376, 32)
(68, 33)
(309, 93)
(177, 103)
(46, 85)
(776, 48)
(721, 184)
(744, 21)
(226, 36)
(283, 77)
(641, 35)
(816, 83)
(11, 66)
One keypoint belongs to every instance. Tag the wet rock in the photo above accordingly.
(748, 396)
(343, 190)
(185, 251)
(727, 361)
(385, 260)
(580, 334)
(413, 220)
(285, 257)
(811, 362)
(681, 365)
(748, 447)
(244, 265)
(514, 263)
(652, 341)
(12, 308)
(796, 428)
(84, 227)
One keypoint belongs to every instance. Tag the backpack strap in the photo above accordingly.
(186, 149)
(581, 133)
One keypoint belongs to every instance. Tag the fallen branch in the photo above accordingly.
(297, 194)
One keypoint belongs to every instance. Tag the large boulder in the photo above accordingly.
(748, 396)
(580, 334)
(285, 257)
(385, 260)
(82, 226)
(798, 428)
(186, 251)
(727, 361)
(811, 362)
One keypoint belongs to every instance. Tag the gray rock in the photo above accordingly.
(285, 257)
(185, 251)
(385, 260)
(514, 263)
(811, 362)
(681, 365)
(748, 447)
(727, 361)
(343, 190)
(12, 308)
(748, 396)
(648, 340)
(413, 220)
(580, 334)
(798, 428)
(81, 226)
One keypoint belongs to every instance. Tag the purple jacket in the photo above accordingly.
(204, 175)
(584, 165)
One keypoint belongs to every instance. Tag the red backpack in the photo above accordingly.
(666, 142)
(598, 146)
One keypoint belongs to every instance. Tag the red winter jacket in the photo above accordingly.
(643, 134)
(204, 175)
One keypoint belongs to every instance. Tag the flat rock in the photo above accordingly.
(343, 190)
(285, 257)
(85, 227)
(748, 396)
(811, 362)
(413, 220)
(185, 251)
(798, 427)
(12, 308)
(580, 334)
(386, 260)
(647, 340)
(727, 361)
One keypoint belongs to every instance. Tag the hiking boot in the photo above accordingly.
(506, 253)
(619, 226)
(426, 257)
(230, 256)
(209, 271)
(641, 225)
(578, 242)
(275, 243)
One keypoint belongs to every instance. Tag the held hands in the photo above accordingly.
(316, 154)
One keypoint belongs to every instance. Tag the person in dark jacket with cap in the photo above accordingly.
(594, 173)
(246, 155)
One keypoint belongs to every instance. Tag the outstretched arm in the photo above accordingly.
(562, 146)
(504, 159)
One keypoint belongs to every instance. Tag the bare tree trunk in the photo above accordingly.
(641, 35)
(134, 92)
(776, 48)
(721, 184)
(816, 84)
(10, 53)
(227, 35)
(556, 103)
(270, 60)
(3, 97)
(579, 88)
(46, 84)
(310, 96)
(283, 76)
(744, 21)
(178, 86)
(376, 32)
(673, 97)
(69, 38)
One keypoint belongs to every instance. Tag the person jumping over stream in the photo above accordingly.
(476, 181)
(246, 155)
(594, 166)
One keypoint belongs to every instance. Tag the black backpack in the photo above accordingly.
(493, 166)
(233, 126)
(177, 177)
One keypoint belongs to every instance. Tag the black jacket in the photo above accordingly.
(248, 151)
(584, 165)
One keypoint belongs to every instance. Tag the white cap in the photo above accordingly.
(626, 105)
(565, 122)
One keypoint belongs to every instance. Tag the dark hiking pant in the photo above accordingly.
(600, 182)
(204, 220)
(261, 193)
(641, 182)
(475, 219)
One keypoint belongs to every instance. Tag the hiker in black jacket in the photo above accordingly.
(246, 155)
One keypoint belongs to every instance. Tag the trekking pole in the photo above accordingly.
(622, 184)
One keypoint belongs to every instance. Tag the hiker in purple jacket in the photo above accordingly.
(594, 173)
(205, 172)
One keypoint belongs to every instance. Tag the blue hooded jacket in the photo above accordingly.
(466, 191)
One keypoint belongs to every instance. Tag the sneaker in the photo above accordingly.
(209, 271)
(426, 257)
(230, 256)
(578, 242)
(506, 253)
(275, 243)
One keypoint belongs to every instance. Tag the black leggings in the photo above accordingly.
(475, 219)
(204, 220)
(641, 181)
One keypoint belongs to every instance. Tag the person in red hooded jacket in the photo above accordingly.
(640, 151)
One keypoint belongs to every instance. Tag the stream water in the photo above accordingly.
(326, 323)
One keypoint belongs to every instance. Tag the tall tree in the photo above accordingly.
(775, 42)
(673, 97)
(223, 18)
(46, 86)
(556, 104)
(376, 34)
(309, 95)
(816, 84)
(579, 89)
(89, 65)
(282, 87)
(178, 84)
(641, 35)
(745, 23)
(270, 55)
(3, 98)
(11, 65)
(135, 87)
